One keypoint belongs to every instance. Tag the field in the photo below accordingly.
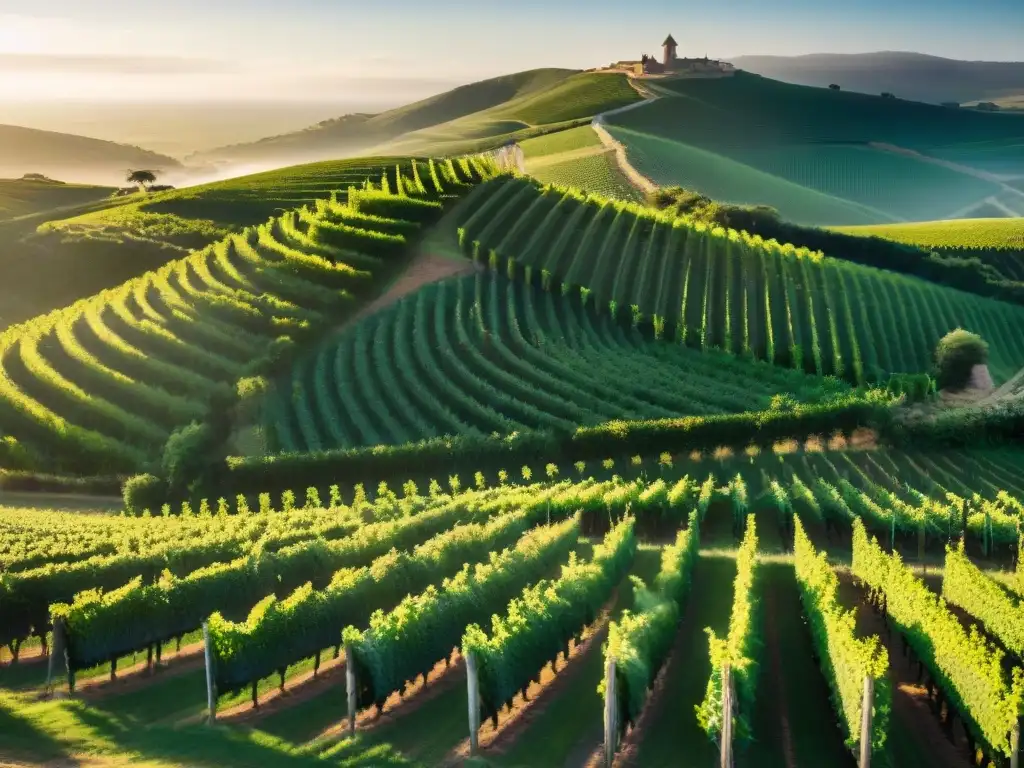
(482, 354)
(556, 550)
(877, 154)
(99, 386)
(718, 289)
(20, 197)
(435, 460)
(115, 240)
(991, 234)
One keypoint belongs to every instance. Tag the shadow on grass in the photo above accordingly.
(22, 739)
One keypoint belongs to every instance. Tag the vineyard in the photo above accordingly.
(509, 587)
(484, 354)
(721, 289)
(494, 459)
(99, 386)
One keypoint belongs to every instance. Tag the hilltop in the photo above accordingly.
(491, 110)
(67, 156)
(914, 76)
(825, 157)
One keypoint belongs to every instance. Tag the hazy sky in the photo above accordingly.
(395, 50)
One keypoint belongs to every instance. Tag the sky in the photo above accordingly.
(397, 50)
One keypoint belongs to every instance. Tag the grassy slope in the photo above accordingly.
(114, 240)
(817, 138)
(66, 156)
(359, 132)
(667, 162)
(973, 233)
(575, 98)
(21, 198)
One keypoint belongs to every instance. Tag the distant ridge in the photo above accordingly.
(71, 157)
(915, 76)
(358, 132)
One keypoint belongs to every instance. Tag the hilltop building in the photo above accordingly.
(671, 64)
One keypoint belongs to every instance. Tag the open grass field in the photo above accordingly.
(565, 553)
(718, 289)
(900, 160)
(20, 197)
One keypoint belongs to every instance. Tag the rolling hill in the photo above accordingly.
(21, 197)
(909, 75)
(70, 157)
(483, 112)
(824, 157)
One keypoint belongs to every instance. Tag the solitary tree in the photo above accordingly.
(833, 87)
(142, 178)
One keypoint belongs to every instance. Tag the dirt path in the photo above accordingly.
(425, 268)
(636, 178)
(917, 737)
(514, 723)
(775, 658)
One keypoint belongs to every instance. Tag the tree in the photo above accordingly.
(887, 95)
(833, 87)
(142, 178)
(955, 357)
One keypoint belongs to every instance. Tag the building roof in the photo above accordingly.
(669, 41)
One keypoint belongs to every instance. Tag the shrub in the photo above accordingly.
(188, 456)
(956, 355)
(143, 492)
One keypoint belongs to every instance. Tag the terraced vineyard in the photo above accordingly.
(283, 591)
(718, 289)
(99, 386)
(483, 354)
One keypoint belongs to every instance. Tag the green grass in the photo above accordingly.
(673, 737)
(821, 140)
(961, 233)
(572, 716)
(668, 162)
(19, 197)
(69, 730)
(575, 98)
(598, 173)
(559, 142)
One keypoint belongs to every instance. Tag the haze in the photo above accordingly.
(189, 75)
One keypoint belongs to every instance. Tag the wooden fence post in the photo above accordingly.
(350, 687)
(211, 696)
(56, 647)
(611, 711)
(866, 706)
(473, 686)
(1015, 745)
(726, 716)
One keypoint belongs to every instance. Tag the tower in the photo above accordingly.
(670, 51)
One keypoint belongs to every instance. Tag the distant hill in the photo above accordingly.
(73, 158)
(825, 157)
(485, 110)
(914, 76)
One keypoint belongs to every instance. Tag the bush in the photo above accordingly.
(955, 357)
(188, 456)
(143, 492)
